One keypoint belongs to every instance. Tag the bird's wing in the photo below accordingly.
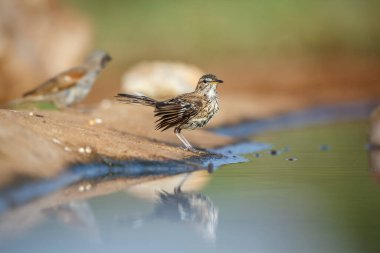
(177, 111)
(58, 83)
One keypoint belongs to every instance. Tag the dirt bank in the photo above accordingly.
(40, 144)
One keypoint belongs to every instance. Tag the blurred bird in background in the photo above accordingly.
(70, 86)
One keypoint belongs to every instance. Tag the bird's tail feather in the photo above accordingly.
(133, 99)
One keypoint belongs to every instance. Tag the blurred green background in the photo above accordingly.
(218, 30)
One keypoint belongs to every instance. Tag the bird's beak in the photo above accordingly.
(217, 82)
(104, 61)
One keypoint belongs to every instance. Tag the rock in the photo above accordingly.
(161, 80)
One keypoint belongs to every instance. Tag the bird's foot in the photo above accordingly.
(198, 151)
(191, 149)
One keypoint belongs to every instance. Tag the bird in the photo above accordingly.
(71, 86)
(188, 111)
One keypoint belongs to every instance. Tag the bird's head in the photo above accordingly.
(100, 58)
(208, 82)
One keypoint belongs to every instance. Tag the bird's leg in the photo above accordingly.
(177, 131)
(178, 188)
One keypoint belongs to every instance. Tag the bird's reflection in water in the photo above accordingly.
(184, 206)
(193, 208)
(175, 198)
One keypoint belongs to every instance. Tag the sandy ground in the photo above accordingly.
(43, 143)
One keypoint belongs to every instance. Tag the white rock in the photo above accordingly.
(81, 188)
(88, 150)
(92, 122)
(56, 141)
(161, 80)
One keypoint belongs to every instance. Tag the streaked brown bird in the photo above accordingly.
(70, 86)
(187, 111)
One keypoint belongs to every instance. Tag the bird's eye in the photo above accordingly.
(205, 81)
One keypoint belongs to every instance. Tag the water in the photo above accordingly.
(312, 191)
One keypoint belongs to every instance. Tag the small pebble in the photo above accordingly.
(67, 149)
(35, 114)
(81, 150)
(274, 152)
(325, 147)
(95, 121)
(88, 187)
(81, 188)
(291, 159)
(88, 150)
(56, 141)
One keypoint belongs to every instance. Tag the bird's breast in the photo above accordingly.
(213, 108)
